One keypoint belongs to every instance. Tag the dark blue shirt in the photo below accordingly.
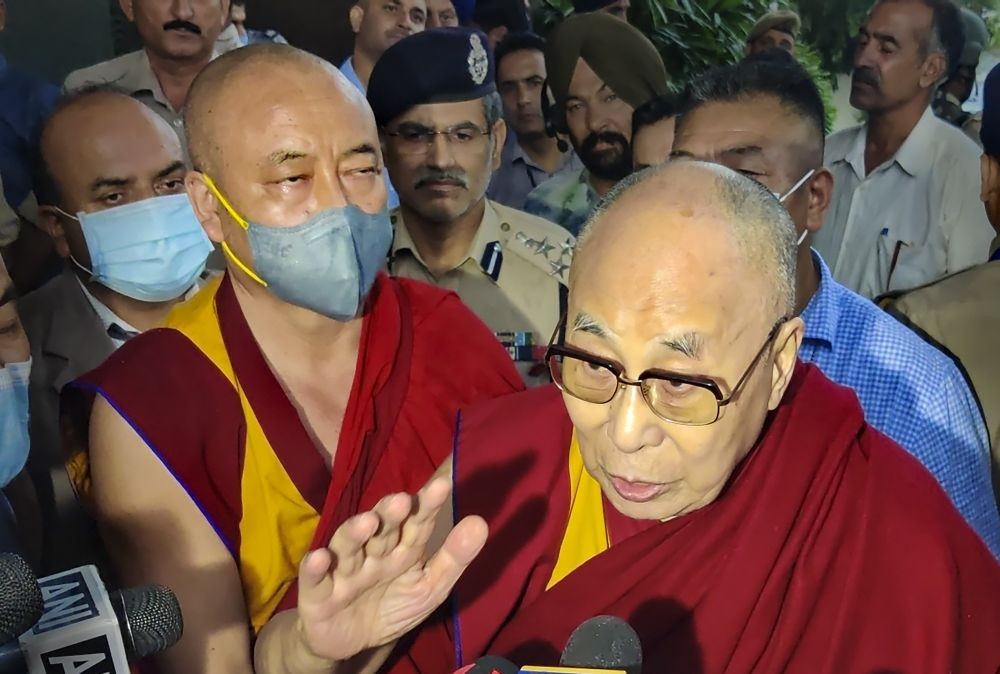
(25, 101)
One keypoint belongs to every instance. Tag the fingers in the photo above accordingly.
(391, 511)
(348, 542)
(464, 542)
(430, 505)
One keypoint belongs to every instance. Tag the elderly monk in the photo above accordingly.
(692, 476)
(294, 392)
(600, 70)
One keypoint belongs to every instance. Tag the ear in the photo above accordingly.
(820, 193)
(934, 70)
(356, 16)
(786, 352)
(499, 140)
(226, 8)
(205, 205)
(50, 221)
(127, 9)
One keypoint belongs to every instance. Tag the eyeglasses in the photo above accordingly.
(690, 400)
(417, 139)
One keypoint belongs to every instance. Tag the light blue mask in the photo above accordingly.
(327, 264)
(151, 250)
(14, 443)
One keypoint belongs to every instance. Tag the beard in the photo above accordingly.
(608, 164)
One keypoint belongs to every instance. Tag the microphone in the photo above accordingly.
(601, 645)
(83, 626)
(20, 597)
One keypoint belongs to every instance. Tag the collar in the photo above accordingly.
(488, 233)
(911, 156)
(822, 313)
(138, 76)
(515, 153)
(348, 71)
(107, 316)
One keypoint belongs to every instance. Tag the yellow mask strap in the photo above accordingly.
(242, 223)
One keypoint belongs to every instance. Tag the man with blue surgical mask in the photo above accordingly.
(764, 118)
(116, 210)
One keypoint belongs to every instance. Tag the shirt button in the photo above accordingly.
(504, 227)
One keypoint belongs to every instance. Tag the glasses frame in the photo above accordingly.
(425, 146)
(708, 383)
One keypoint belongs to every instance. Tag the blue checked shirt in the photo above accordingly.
(909, 391)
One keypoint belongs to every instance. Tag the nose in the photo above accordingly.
(328, 191)
(406, 22)
(633, 425)
(183, 9)
(440, 154)
(864, 55)
(597, 118)
(523, 95)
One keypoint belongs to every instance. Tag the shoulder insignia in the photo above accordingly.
(556, 255)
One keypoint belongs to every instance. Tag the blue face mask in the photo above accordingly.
(14, 442)
(151, 250)
(327, 264)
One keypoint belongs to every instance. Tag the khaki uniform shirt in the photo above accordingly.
(132, 73)
(961, 313)
(513, 279)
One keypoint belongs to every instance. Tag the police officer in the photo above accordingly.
(958, 88)
(435, 100)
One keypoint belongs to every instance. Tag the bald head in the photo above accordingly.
(701, 205)
(101, 138)
(240, 88)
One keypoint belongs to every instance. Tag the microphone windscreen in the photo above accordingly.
(491, 664)
(20, 597)
(150, 618)
(604, 642)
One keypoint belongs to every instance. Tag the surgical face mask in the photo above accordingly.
(781, 199)
(327, 264)
(151, 250)
(14, 443)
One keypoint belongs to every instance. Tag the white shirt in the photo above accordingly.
(113, 324)
(914, 219)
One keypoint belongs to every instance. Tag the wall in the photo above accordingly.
(53, 37)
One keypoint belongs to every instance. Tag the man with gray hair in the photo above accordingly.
(441, 119)
(689, 475)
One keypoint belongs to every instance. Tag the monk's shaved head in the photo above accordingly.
(684, 193)
(254, 78)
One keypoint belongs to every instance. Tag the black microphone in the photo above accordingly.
(490, 664)
(20, 597)
(604, 642)
(83, 626)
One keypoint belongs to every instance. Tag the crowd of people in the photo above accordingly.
(437, 352)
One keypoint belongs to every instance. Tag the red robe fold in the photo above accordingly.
(831, 551)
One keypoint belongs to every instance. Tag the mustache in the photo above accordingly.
(428, 176)
(608, 137)
(865, 76)
(178, 24)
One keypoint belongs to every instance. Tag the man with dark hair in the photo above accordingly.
(616, 8)
(600, 70)
(904, 209)
(961, 312)
(238, 19)
(178, 42)
(653, 131)
(958, 88)
(530, 156)
(377, 25)
(448, 14)
(435, 101)
(498, 18)
(765, 119)
(778, 29)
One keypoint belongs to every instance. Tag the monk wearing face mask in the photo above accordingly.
(299, 388)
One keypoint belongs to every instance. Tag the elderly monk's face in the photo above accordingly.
(667, 288)
(442, 177)
(891, 63)
(178, 29)
(105, 151)
(761, 139)
(441, 14)
(277, 157)
(600, 124)
(652, 143)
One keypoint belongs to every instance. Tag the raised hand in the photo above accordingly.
(377, 579)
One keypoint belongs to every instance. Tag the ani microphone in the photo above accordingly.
(601, 645)
(20, 597)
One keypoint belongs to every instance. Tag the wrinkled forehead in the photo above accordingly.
(904, 20)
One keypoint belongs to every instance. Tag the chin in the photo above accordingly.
(441, 211)
(659, 509)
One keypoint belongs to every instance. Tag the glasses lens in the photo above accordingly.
(681, 402)
(591, 382)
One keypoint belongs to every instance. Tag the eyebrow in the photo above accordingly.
(364, 148)
(173, 168)
(100, 183)
(279, 157)
(743, 151)
(687, 343)
(885, 37)
(586, 323)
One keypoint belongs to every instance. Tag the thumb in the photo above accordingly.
(461, 547)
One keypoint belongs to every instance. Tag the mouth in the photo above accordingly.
(636, 491)
(446, 186)
(397, 35)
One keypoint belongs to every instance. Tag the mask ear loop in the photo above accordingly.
(241, 221)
